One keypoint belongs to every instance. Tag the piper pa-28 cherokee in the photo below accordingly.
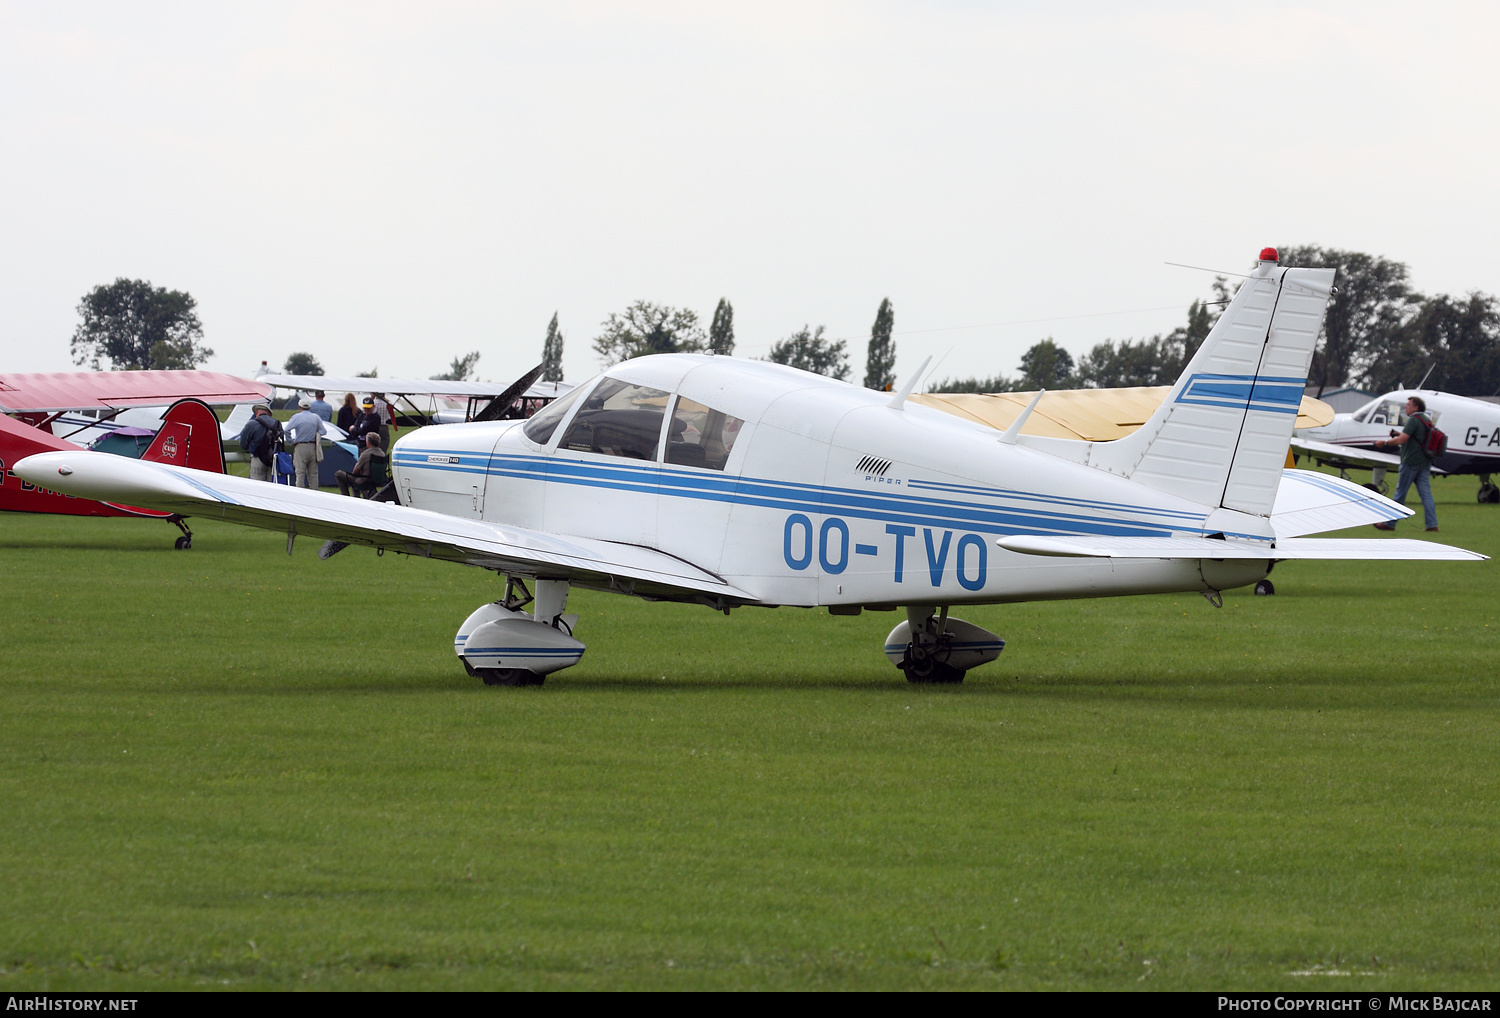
(728, 482)
(1472, 426)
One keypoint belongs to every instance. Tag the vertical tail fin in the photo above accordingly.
(189, 437)
(1221, 436)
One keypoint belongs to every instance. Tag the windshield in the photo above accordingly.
(540, 428)
(619, 419)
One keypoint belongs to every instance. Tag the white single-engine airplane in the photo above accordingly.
(1472, 426)
(728, 482)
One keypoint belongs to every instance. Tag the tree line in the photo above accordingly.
(1379, 333)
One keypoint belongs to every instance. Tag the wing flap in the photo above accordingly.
(384, 525)
(1211, 548)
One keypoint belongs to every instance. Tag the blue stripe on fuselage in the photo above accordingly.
(653, 479)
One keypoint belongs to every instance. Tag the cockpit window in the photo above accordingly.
(701, 436)
(1363, 413)
(1391, 412)
(618, 419)
(545, 421)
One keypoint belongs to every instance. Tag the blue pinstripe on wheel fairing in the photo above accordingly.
(526, 651)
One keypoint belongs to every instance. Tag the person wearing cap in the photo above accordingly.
(259, 437)
(321, 406)
(305, 429)
(367, 423)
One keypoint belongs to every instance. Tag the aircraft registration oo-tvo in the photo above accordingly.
(728, 482)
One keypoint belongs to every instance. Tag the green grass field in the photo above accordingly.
(229, 768)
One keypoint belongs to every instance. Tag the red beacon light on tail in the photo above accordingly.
(1268, 254)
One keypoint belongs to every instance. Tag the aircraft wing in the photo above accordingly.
(409, 386)
(384, 525)
(1344, 455)
(1211, 548)
(53, 391)
(1089, 415)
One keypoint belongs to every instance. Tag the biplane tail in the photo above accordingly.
(1221, 436)
(189, 437)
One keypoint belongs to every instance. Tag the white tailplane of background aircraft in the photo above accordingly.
(728, 482)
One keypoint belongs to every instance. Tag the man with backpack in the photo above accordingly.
(261, 438)
(1416, 462)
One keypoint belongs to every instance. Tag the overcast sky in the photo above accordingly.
(393, 185)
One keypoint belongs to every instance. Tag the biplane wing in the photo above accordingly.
(59, 391)
(405, 386)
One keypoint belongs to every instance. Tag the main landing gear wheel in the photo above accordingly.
(1265, 588)
(183, 543)
(1489, 494)
(922, 668)
(509, 677)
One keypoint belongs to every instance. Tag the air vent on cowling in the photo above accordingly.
(873, 465)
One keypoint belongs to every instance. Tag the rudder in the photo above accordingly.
(1221, 436)
(189, 437)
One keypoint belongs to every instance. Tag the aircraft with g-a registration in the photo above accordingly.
(730, 483)
(1472, 426)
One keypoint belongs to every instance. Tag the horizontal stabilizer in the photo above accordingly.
(1308, 502)
(1211, 548)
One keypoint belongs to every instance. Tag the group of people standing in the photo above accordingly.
(369, 427)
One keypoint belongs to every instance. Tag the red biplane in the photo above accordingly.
(189, 434)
